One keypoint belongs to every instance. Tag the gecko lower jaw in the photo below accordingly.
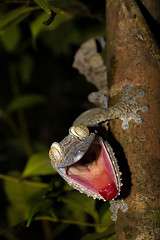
(97, 172)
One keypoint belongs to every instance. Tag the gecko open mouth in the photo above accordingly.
(96, 171)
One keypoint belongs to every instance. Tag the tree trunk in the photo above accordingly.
(133, 58)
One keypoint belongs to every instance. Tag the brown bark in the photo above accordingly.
(153, 7)
(133, 58)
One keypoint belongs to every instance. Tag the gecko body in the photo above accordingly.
(83, 158)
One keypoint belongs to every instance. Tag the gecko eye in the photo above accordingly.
(80, 131)
(55, 152)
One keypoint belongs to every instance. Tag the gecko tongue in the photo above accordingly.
(105, 186)
(93, 172)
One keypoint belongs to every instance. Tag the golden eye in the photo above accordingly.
(55, 152)
(80, 131)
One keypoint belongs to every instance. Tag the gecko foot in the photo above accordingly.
(132, 106)
(115, 205)
(99, 98)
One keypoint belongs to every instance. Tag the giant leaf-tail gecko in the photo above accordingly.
(83, 158)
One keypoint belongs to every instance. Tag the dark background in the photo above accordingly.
(40, 96)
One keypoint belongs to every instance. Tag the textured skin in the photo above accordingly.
(72, 147)
(126, 110)
(70, 151)
(90, 64)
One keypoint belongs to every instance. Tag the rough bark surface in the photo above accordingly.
(153, 7)
(133, 58)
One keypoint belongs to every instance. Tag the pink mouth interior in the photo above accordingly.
(95, 172)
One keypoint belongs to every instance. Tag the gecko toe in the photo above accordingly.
(140, 93)
(124, 207)
(114, 217)
(125, 125)
(127, 89)
(115, 205)
(144, 107)
(138, 119)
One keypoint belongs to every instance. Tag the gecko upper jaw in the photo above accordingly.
(96, 173)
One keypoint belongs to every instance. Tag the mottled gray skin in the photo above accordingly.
(72, 147)
(126, 110)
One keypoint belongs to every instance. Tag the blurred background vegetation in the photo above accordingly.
(40, 96)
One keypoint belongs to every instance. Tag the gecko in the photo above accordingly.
(84, 158)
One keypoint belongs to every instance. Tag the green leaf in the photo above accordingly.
(25, 68)
(67, 33)
(105, 221)
(44, 4)
(113, 237)
(101, 236)
(11, 37)
(38, 164)
(18, 194)
(36, 26)
(81, 202)
(14, 16)
(38, 203)
(26, 101)
(72, 6)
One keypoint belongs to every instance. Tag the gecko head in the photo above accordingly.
(72, 148)
(87, 163)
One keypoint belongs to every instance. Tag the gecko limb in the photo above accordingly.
(115, 205)
(99, 98)
(84, 158)
(90, 63)
(132, 106)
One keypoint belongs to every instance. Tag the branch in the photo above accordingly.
(133, 58)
